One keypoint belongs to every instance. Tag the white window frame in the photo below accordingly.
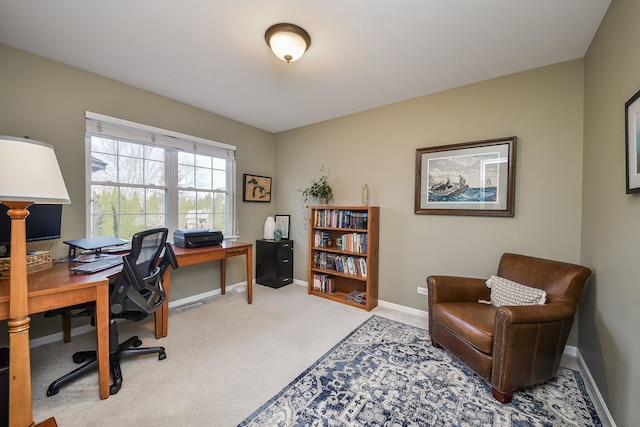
(120, 129)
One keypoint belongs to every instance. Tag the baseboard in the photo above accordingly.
(594, 387)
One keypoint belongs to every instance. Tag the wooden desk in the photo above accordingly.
(58, 287)
(190, 256)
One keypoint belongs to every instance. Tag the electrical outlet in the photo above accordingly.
(422, 291)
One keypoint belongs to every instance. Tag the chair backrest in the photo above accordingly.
(562, 281)
(139, 288)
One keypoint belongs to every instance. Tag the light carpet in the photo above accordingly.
(386, 373)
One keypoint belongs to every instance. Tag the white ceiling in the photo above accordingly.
(363, 54)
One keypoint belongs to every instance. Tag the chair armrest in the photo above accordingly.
(528, 343)
(456, 289)
(544, 313)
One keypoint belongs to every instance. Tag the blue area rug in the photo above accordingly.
(386, 373)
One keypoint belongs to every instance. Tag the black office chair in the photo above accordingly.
(136, 293)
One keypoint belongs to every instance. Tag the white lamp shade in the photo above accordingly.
(29, 172)
(287, 41)
(287, 46)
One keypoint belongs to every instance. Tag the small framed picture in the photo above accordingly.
(632, 143)
(282, 223)
(471, 178)
(256, 188)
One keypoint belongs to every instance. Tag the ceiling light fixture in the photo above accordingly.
(287, 41)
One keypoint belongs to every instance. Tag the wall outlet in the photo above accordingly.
(422, 291)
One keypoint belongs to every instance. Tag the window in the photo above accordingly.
(143, 177)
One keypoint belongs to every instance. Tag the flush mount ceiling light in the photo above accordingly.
(287, 41)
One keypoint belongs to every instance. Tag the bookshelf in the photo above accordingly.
(343, 254)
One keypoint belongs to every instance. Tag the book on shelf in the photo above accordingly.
(353, 242)
(357, 297)
(339, 218)
(324, 283)
(355, 266)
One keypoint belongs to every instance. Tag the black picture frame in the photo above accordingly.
(282, 223)
(632, 142)
(256, 188)
(472, 178)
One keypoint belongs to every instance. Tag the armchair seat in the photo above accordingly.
(471, 322)
(509, 346)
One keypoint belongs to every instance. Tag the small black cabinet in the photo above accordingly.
(274, 263)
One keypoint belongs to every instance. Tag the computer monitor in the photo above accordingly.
(43, 223)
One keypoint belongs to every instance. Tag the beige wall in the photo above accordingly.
(542, 107)
(608, 334)
(46, 101)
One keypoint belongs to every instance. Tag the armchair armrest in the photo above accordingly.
(456, 289)
(551, 312)
(528, 343)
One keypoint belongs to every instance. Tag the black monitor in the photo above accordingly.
(43, 223)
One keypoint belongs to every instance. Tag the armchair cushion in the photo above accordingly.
(470, 321)
(507, 292)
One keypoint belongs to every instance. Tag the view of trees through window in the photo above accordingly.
(132, 186)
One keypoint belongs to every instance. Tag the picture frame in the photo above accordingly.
(282, 223)
(632, 142)
(256, 188)
(472, 178)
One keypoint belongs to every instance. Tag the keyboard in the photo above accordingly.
(98, 265)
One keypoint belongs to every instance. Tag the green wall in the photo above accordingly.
(610, 234)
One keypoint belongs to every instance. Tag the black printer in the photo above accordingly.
(197, 238)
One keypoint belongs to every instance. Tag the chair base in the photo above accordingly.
(128, 348)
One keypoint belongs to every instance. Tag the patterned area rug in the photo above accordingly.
(386, 373)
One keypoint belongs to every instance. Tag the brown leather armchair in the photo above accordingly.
(510, 347)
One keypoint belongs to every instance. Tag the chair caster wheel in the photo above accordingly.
(113, 389)
(52, 391)
(137, 343)
(162, 356)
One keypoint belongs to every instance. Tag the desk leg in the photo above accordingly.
(223, 276)
(162, 314)
(249, 275)
(102, 333)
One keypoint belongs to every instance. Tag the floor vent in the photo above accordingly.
(189, 306)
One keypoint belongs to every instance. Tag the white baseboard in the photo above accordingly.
(594, 387)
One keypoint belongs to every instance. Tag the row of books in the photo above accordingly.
(353, 242)
(321, 238)
(353, 265)
(338, 218)
(324, 283)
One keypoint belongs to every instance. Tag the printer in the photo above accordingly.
(197, 238)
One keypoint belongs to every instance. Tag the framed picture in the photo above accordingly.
(472, 178)
(256, 188)
(282, 223)
(632, 147)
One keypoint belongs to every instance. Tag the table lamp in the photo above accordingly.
(29, 173)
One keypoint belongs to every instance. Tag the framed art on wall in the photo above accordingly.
(282, 223)
(632, 142)
(256, 188)
(471, 178)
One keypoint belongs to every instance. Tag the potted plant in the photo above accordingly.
(319, 189)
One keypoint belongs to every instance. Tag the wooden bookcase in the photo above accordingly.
(343, 253)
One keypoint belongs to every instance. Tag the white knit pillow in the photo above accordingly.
(506, 292)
